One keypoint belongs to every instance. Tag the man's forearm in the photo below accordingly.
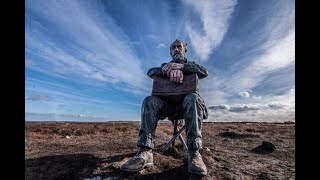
(156, 71)
(188, 68)
(193, 67)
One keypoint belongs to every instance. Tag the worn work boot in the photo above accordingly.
(196, 164)
(144, 158)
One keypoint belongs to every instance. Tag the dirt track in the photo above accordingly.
(96, 150)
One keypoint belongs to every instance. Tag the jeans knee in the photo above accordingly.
(149, 101)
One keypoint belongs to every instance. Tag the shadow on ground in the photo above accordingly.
(87, 166)
(164, 167)
(72, 166)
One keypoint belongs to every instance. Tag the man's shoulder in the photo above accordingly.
(194, 61)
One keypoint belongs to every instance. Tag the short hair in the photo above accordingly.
(179, 41)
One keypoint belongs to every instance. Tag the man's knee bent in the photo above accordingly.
(150, 101)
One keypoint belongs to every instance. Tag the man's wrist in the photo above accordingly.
(182, 67)
(185, 66)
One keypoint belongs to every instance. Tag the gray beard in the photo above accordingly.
(179, 58)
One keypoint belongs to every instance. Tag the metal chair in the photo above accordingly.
(176, 120)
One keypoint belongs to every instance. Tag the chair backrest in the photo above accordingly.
(173, 93)
(162, 85)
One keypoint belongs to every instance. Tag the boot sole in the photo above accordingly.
(137, 170)
(201, 173)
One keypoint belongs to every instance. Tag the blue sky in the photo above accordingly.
(87, 60)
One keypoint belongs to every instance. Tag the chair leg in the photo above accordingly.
(175, 131)
(166, 146)
(183, 142)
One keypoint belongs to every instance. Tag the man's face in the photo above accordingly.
(177, 51)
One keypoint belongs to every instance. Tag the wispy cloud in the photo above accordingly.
(60, 93)
(215, 16)
(39, 98)
(161, 45)
(213, 88)
(63, 117)
(83, 47)
(272, 58)
(280, 55)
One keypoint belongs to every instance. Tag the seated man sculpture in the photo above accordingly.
(155, 108)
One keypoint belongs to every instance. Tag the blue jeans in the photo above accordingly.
(153, 109)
